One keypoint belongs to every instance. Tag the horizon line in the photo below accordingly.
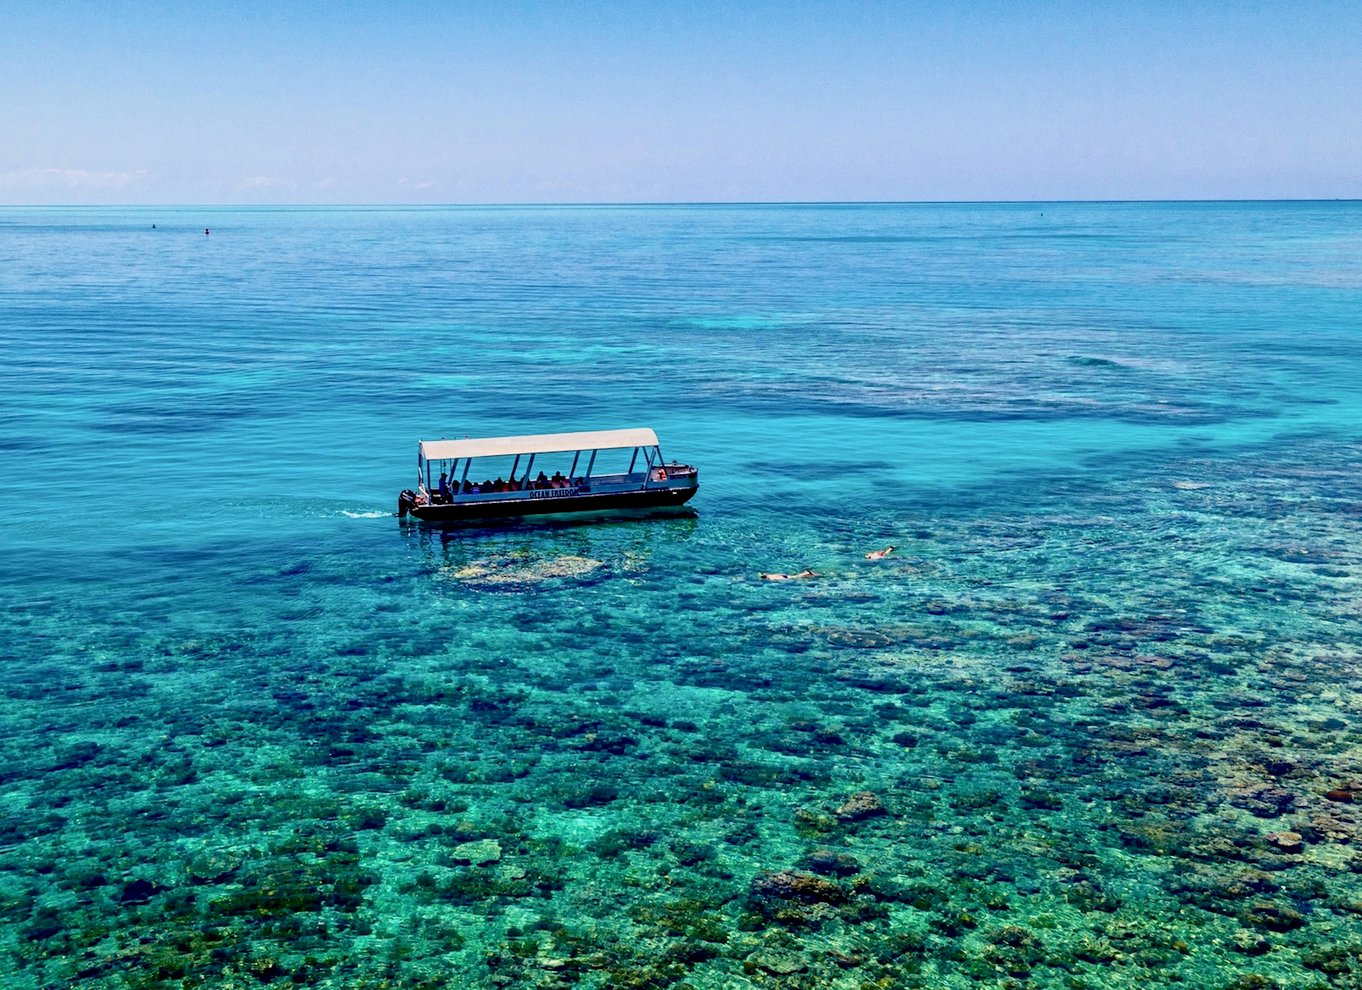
(674, 203)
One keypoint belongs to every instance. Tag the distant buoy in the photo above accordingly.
(205, 231)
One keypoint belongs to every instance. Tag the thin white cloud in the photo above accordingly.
(68, 178)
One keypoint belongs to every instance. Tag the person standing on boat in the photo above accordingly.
(444, 487)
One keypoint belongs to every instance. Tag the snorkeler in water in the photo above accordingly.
(802, 575)
(879, 554)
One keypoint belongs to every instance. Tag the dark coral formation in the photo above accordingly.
(1059, 748)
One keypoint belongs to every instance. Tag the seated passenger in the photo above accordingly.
(499, 485)
(467, 488)
(542, 481)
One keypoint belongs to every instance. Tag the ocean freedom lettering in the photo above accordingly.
(555, 493)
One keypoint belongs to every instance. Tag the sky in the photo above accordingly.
(527, 101)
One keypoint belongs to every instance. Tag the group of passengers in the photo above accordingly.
(446, 492)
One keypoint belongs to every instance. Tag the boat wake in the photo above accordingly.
(373, 514)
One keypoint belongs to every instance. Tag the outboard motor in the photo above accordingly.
(405, 501)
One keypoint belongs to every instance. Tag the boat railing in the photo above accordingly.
(639, 479)
(635, 477)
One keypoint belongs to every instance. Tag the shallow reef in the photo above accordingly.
(1106, 736)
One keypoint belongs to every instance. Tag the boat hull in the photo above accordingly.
(516, 508)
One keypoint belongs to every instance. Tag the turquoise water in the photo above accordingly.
(1094, 723)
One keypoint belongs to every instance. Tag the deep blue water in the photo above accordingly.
(1104, 692)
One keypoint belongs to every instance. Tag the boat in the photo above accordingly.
(550, 473)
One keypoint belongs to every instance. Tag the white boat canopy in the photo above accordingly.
(542, 443)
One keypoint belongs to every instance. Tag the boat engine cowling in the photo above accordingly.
(405, 501)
